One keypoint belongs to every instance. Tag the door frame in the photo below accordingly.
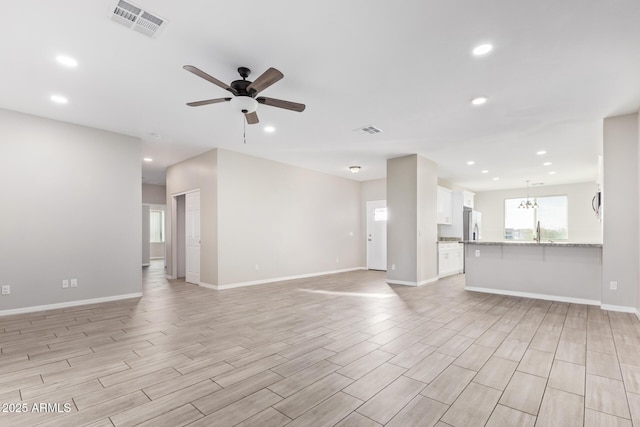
(174, 229)
(366, 234)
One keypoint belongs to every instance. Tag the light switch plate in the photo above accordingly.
(613, 286)
(74, 283)
(477, 253)
(65, 283)
(6, 289)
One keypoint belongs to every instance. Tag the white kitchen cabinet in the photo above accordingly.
(450, 258)
(467, 199)
(445, 208)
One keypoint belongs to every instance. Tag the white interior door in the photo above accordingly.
(377, 235)
(192, 234)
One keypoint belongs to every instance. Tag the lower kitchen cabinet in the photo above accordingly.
(450, 258)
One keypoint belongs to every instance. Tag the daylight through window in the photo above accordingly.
(552, 212)
(156, 220)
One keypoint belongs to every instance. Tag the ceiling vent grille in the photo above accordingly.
(368, 130)
(132, 16)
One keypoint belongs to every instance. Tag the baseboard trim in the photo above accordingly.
(36, 308)
(405, 283)
(533, 295)
(146, 265)
(171, 277)
(620, 308)
(277, 279)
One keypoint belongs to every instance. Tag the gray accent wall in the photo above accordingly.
(154, 194)
(71, 203)
(411, 226)
(620, 251)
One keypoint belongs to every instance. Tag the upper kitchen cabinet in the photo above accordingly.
(467, 199)
(445, 205)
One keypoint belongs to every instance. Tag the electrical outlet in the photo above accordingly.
(351, 234)
(65, 283)
(6, 289)
(337, 259)
(74, 283)
(613, 286)
(477, 253)
(393, 266)
(257, 267)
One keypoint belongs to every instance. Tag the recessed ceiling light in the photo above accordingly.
(471, 162)
(354, 169)
(67, 61)
(541, 153)
(495, 178)
(483, 49)
(59, 99)
(547, 164)
(269, 129)
(479, 100)
(485, 171)
(148, 159)
(552, 173)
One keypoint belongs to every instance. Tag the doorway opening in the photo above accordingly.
(185, 226)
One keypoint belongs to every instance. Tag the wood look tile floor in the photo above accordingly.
(344, 349)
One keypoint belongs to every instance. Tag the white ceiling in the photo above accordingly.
(557, 69)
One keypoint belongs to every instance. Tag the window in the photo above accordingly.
(380, 214)
(552, 212)
(156, 222)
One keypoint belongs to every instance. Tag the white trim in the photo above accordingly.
(36, 308)
(533, 295)
(621, 308)
(638, 314)
(405, 283)
(277, 279)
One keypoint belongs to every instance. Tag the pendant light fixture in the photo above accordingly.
(528, 204)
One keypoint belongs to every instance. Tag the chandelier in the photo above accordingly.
(528, 204)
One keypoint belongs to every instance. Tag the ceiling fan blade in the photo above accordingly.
(198, 72)
(252, 118)
(287, 105)
(265, 80)
(207, 102)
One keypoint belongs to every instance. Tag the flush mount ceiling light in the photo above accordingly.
(482, 49)
(148, 159)
(67, 61)
(528, 204)
(354, 169)
(541, 153)
(59, 99)
(471, 162)
(269, 129)
(479, 100)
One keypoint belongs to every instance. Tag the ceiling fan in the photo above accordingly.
(244, 91)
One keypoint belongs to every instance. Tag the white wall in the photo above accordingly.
(620, 250)
(584, 226)
(287, 220)
(71, 202)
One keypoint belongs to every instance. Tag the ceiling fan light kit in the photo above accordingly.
(244, 92)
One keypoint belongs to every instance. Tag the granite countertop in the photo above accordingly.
(543, 243)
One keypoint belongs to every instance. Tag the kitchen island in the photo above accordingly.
(570, 272)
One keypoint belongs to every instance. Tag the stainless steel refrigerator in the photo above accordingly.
(472, 224)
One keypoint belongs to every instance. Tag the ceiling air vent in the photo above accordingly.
(132, 16)
(368, 130)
